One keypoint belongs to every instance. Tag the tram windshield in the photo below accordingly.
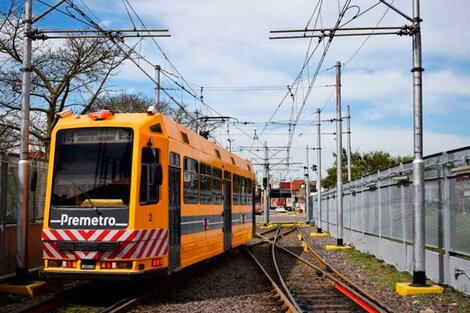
(92, 167)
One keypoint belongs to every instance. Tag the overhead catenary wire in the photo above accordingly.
(317, 71)
(368, 37)
(342, 13)
(117, 44)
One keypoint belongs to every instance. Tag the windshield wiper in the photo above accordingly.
(87, 197)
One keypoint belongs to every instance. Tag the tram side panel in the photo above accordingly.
(201, 236)
(204, 228)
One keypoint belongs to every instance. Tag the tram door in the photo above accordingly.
(175, 217)
(227, 211)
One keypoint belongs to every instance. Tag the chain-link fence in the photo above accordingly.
(378, 216)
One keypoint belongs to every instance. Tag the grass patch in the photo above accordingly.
(389, 275)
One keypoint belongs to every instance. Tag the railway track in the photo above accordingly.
(103, 297)
(307, 284)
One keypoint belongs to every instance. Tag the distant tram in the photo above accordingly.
(135, 194)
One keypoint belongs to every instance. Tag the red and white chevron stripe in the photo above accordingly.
(135, 244)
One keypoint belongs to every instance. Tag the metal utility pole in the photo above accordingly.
(157, 84)
(419, 268)
(339, 160)
(307, 193)
(319, 230)
(24, 165)
(266, 184)
(348, 134)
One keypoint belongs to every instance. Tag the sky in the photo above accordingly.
(224, 47)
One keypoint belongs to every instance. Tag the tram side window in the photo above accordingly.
(149, 192)
(242, 190)
(216, 186)
(205, 190)
(191, 181)
(249, 191)
(236, 189)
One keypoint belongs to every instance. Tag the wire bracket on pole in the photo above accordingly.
(417, 69)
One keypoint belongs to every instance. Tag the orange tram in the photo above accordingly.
(135, 194)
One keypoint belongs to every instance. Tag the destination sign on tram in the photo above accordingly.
(90, 136)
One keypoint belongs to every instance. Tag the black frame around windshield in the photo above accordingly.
(92, 167)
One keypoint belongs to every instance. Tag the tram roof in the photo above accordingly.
(170, 128)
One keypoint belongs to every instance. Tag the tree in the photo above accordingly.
(72, 75)
(363, 164)
(125, 102)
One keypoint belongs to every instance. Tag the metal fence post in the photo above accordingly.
(379, 200)
(446, 215)
(390, 214)
(363, 212)
(403, 218)
(328, 214)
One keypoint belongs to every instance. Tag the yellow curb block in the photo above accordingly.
(405, 289)
(319, 235)
(330, 248)
(27, 290)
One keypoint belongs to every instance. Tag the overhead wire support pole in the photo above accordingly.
(307, 192)
(348, 134)
(52, 8)
(305, 30)
(157, 85)
(399, 33)
(339, 160)
(397, 11)
(117, 36)
(419, 249)
(44, 34)
(24, 165)
(319, 229)
(344, 32)
(68, 31)
(266, 184)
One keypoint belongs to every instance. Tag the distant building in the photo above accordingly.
(289, 194)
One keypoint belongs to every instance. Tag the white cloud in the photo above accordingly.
(225, 43)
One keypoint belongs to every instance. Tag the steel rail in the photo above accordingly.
(338, 284)
(125, 304)
(288, 305)
(264, 239)
(281, 279)
(336, 272)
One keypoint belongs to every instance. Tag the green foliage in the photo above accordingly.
(363, 164)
